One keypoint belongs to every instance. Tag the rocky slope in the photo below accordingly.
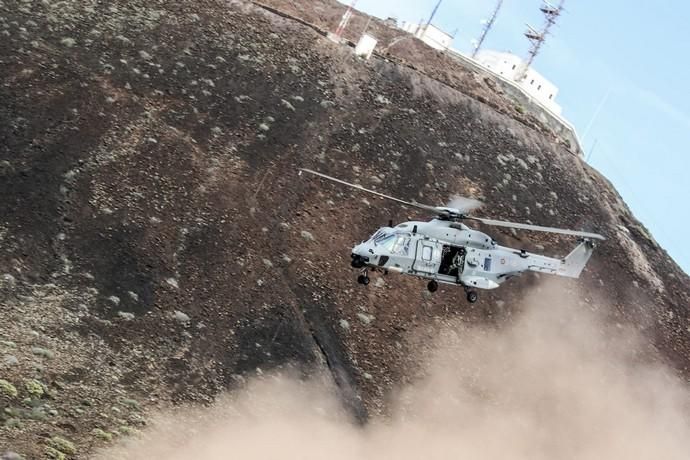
(157, 246)
(403, 48)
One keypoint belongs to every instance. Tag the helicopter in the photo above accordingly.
(445, 250)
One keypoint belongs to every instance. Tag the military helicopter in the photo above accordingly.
(444, 250)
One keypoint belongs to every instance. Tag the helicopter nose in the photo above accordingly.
(360, 256)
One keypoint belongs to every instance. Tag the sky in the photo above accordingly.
(622, 71)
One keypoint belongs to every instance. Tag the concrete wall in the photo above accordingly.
(435, 37)
(553, 120)
(510, 66)
(431, 35)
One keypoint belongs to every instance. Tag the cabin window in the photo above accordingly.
(487, 264)
(427, 252)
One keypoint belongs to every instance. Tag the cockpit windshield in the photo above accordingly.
(378, 236)
(395, 243)
(387, 242)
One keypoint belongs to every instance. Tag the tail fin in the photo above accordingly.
(575, 262)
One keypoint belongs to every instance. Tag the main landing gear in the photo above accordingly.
(472, 296)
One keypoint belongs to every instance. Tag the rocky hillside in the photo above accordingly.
(158, 247)
(403, 48)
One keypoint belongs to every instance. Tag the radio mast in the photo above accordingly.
(537, 38)
(487, 27)
(433, 13)
(346, 18)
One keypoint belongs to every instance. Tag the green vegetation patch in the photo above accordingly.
(130, 403)
(13, 423)
(102, 435)
(34, 388)
(37, 413)
(43, 352)
(8, 389)
(62, 445)
(128, 430)
(55, 454)
(12, 411)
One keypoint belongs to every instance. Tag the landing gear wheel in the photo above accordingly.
(363, 279)
(472, 296)
(432, 286)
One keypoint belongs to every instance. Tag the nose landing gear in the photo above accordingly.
(363, 278)
(432, 286)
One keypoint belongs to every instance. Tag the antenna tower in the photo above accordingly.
(487, 27)
(346, 18)
(536, 38)
(433, 13)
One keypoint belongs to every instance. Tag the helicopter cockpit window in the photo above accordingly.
(388, 242)
(393, 243)
(401, 245)
(379, 236)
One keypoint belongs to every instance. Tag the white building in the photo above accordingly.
(510, 67)
(429, 34)
(366, 45)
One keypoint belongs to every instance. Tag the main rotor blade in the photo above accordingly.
(537, 228)
(359, 187)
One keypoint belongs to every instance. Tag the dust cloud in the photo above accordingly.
(556, 383)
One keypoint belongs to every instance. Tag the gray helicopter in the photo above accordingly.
(444, 250)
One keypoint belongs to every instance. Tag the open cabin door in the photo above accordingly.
(427, 257)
